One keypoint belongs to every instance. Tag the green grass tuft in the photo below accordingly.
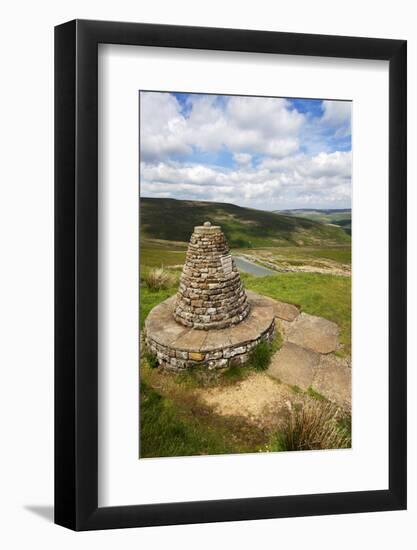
(315, 394)
(260, 356)
(151, 359)
(158, 278)
(315, 425)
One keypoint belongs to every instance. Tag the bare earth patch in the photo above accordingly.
(258, 398)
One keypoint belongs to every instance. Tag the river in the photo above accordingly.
(251, 268)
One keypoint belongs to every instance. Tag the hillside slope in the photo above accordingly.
(174, 220)
(340, 217)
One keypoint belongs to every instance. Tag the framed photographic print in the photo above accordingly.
(230, 275)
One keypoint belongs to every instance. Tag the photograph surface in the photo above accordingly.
(245, 274)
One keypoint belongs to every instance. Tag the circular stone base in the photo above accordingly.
(177, 347)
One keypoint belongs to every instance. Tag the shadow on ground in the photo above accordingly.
(45, 512)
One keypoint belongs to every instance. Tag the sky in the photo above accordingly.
(258, 152)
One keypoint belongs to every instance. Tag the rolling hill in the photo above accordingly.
(340, 217)
(174, 220)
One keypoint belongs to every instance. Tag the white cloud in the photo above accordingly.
(243, 125)
(321, 180)
(261, 135)
(337, 114)
(242, 158)
(161, 126)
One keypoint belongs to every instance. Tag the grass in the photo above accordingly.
(151, 298)
(174, 423)
(260, 356)
(327, 296)
(198, 376)
(315, 394)
(151, 359)
(182, 427)
(315, 425)
(158, 278)
(167, 430)
(161, 257)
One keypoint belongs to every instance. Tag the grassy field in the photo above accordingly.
(158, 257)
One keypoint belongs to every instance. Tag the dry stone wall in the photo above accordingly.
(177, 359)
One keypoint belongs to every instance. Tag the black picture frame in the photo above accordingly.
(76, 272)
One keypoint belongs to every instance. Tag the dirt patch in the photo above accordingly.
(259, 399)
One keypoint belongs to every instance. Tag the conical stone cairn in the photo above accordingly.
(210, 294)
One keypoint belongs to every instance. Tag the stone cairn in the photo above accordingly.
(210, 294)
(211, 322)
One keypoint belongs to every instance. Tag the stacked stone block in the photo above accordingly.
(210, 294)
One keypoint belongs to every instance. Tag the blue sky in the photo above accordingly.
(268, 153)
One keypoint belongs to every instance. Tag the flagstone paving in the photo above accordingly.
(315, 333)
(294, 365)
(333, 379)
(307, 360)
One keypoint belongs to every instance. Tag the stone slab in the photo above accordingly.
(262, 316)
(191, 340)
(248, 330)
(216, 339)
(333, 379)
(294, 365)
(314, 333)
(159, 323)
(282, 310)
